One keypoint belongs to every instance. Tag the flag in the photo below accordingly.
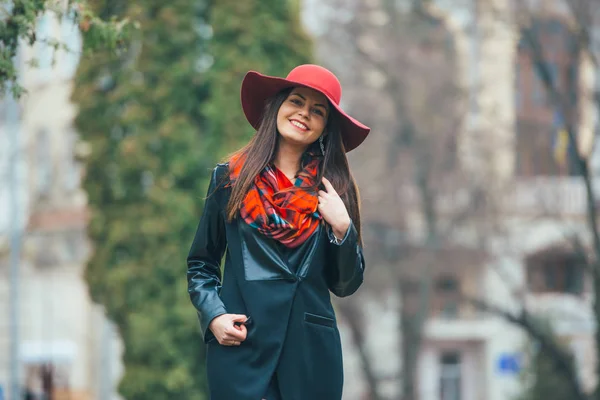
(560, 146)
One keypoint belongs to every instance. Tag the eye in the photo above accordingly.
(296, 101)
(319, 112)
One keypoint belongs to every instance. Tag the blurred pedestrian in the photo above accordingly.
(47, 377)
(285, 209)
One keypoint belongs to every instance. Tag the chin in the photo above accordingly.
(295, 138)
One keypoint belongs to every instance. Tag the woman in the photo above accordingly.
(284, 209)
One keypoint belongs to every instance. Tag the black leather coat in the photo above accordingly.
(286, 292)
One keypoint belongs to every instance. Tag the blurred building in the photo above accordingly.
(64, 340)
(522, 256)
(512, 143)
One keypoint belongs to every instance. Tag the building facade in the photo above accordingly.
(64, 338)
(512, 139)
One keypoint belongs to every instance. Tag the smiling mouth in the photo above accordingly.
(299, 125)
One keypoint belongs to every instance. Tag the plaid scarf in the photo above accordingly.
(279, 209)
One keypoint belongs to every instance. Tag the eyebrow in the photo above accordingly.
(304, 98)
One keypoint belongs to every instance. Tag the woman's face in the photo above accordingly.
(302, 116)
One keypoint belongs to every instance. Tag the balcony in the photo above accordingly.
(564, 196)
(551, 196)
(444, 329)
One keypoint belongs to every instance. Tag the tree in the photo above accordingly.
(541, 379)
(19, 22)
(546, 382)
(400, 89)
(157, 116)
(251, 35)
(387, 66)
(584, 19)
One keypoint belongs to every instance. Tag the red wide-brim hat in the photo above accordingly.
(258, 88)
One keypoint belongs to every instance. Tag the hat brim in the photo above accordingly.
(258, 88)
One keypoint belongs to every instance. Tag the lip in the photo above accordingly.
(302, 123)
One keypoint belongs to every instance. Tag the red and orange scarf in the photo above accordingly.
(278, 208)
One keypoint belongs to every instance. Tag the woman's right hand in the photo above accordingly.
(226, 331)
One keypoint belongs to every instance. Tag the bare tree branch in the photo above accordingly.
(560, 102)
(528, 323)
(582, 14)
(353, 318)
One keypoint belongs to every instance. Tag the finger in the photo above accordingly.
(322, 193)
(328, 186)
(240, 328)
(238, 318)
(229, 333)
(226, 341)
(237, 334)
(243, 332)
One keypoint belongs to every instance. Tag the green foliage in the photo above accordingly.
(542, 380)
(157, 116)
(139, 111)
(19, 24)
(266, 37)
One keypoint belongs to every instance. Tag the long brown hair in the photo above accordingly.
(262, 148)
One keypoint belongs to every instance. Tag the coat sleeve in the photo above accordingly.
(204, 261)
(346, 263)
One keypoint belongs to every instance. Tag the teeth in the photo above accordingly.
(299, 125)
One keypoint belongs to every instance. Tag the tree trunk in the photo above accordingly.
(409, 355)
(596, 393)
(352, 314)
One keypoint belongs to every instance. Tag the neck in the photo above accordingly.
(287, 159)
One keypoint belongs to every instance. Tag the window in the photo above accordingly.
(446, 301)
(535, 125)
(556, 270)
(450, 376)
(540, 137)
(540, 93)
(46, 380)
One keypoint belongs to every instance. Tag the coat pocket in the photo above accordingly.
(319, 320)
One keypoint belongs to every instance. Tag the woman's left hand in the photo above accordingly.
(333, 210)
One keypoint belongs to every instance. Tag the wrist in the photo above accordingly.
(214, 321)
(340, 229)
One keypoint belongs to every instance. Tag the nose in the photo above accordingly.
(304, 111)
